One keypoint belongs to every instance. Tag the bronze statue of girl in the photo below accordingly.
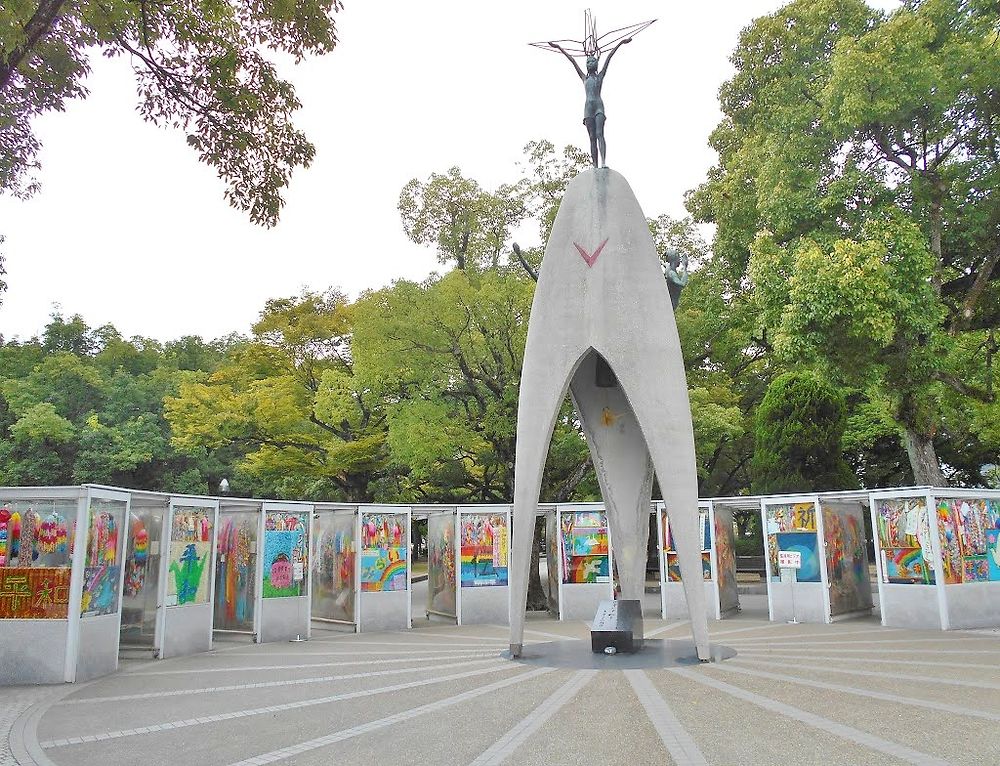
(593, 107)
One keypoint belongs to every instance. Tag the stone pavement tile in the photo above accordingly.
(897, 681)
(730, 731)
(15, 700)
(453, 736)
(928, 665)
(227, 741)
(71, 720)
(604, 723)
(954, 738)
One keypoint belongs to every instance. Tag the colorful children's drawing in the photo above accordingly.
(234, 587)
(846, 560)
(975, 569)
(441, 582)
(907, 566)
(187, 582)
(54, 535)
(674, 567)
(588, 569)
(788, 517)
(17, 537)
(136, 559)
(23, 534)
(791, 517)
(334, 566)
(5, 535)
(951, 549)
(704, 535)
(725, 560)
(100, 590)
(102, 569)
(484, 549)
(963, 525)
(903, 530)
(784, 518)
(286, 553)
(190, 551)
(584, 546)
(993, 553)
(40, 593)
(383, 552)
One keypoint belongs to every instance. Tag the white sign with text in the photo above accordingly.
(789, 559)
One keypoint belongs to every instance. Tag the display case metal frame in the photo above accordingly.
(355, 512)
(372, 606)
(188, 643)
(272, 614)
(674, 591)
(906, 605)
(809, 600)
(583, 597)
(486, 603)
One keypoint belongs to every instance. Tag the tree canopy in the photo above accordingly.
(86, 405)
(856, 205)
(201, 67)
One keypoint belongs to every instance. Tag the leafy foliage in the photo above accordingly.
(200, 67)
(83, 405)
(288, 400)
(798, 437)
(856, 206)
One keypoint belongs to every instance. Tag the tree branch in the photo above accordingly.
(37, 27)
(982, 279)
(569, 486)
(973, 392)
(888, 152)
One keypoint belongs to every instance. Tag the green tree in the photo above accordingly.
(723, 369)
(200, 67)
(453, 346)
(85, 405)
(289, 401)
(798, 437)
(855, 201)
(3, 273)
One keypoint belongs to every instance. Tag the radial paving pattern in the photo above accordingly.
(850, 693)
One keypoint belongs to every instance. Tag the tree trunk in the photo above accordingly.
(923, 459)
(537, 599)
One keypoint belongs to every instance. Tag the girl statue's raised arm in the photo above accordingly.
(572, 60)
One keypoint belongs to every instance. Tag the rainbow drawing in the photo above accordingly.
(394, 576)
(587, 569)
(383, 569)
(907, 565)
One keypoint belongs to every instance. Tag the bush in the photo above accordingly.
(797, 437)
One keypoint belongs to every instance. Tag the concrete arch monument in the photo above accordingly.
(602, 327)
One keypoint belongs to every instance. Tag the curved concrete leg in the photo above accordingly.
(624, 471)
(664, 412)
(543, 389)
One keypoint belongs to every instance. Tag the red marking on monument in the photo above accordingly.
(591, 258)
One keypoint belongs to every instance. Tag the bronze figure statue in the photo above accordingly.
(676, 272)
(594, 116)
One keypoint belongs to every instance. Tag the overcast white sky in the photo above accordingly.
(130, 229)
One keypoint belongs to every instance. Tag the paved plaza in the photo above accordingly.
(848, 693)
